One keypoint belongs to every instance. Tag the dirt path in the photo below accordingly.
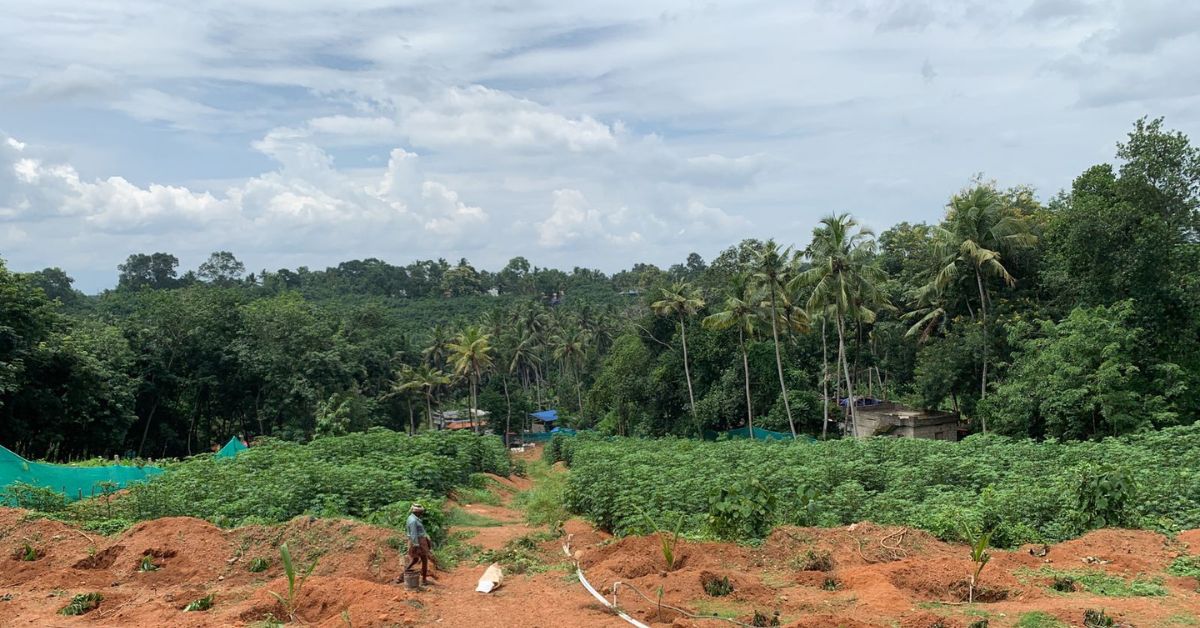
(550, 599)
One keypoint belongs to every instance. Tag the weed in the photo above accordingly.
(716, 586)
(1064, 584)
(518, 556)
(978, 623)
(81, 604)
(763, 620)
(396, 542)
(543, 504)
(294, 584)
(201, 604)
(1038, 619)
(1187, 567)
(666, 544)
(147, 564)
(258, 565)
(1101, 583)
(28, 553)
(1093, 618)
(813, 561)
(831, 584)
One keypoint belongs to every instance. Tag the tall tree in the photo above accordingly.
(771, 266)
(681, 301)
(739, 312)
(846, 284)
(472, 353)
(976, 234)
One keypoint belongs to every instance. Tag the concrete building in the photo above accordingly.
(895, 420)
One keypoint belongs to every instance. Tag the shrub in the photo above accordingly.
(714, 586)
(81, 604)
(741, 510)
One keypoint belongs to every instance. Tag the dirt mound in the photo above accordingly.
(948, 580)
(333, 601)
(1191, 539)
(851, 546)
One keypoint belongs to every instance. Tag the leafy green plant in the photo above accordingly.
(741, 510)
(830, 584)
(295, 584)
(978, 540)
(762, 620)
(1097, 618)
(813, 560)
(203, 604)
(28, 552)
(82, 603)
(1103, 496)
(666, 543)
(716, 586)
(258, 565)
(147, 563)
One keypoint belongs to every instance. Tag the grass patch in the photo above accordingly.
(1182, 619)
(1108, 585)
(456, 550)
(472, 495)
(543, 504)
(520, 555)
(1038, 619)
(1186, 566)
(720, 608)
(458, 517)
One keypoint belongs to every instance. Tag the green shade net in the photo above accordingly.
(73, 482)
(231, 449)
(759, 434)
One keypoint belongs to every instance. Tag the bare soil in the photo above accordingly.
(856, 576)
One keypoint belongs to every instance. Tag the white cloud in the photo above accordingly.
(478, 116)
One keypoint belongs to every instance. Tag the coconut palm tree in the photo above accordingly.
(846, 284)
(771, 267)
(437, 352)
(739, 311)
(977, 231)
(681, 301)
(570, 349)
(472, 355)
(423, 378)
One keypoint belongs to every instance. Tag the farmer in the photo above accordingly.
(418, 542)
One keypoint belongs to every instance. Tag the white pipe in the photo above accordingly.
(596, 594)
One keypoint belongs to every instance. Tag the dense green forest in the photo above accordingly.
(1073, 317)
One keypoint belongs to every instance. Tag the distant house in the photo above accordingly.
(459, 419)
(546, 420)
(892, 419)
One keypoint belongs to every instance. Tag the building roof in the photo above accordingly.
(546, 416)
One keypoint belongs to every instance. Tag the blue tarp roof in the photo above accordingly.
(546, 416)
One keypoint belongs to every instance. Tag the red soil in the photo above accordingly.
(857, 576)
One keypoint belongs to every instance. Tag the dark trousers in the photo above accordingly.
(418, 552)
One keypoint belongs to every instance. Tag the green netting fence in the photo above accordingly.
(231, 449)
(759, 434)
(72, 482)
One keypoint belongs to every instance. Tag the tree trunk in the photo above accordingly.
(508, 406)
(787, 406)
(687, 373)
(824, 382)
(429, 409)
(984, 319)
(412, 419)
(746, 370)
(849, 382)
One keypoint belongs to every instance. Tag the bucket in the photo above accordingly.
(412, 581)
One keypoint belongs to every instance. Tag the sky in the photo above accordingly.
(598, 134)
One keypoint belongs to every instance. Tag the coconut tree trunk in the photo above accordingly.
(824, 382)
(429, 408)
(849, 384)
(746, 371)
(787, 406)
(984, 319)
(687, 374)
(508, 407)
